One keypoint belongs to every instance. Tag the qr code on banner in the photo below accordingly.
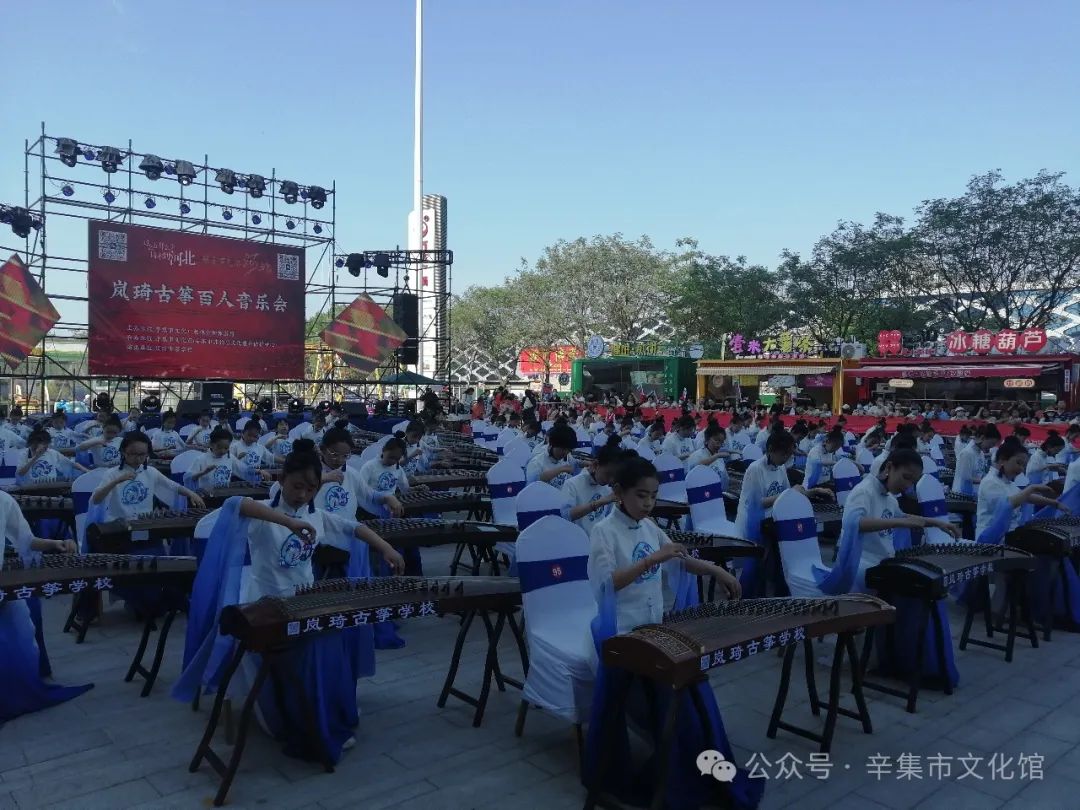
(288, 267)
(112, 245)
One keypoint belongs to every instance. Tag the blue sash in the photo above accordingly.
(542, 573)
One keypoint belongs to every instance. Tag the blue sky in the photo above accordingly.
(753, 127)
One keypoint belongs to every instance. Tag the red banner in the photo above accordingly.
(177, 305)
(559, 360)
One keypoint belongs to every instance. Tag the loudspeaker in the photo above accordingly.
(407, 316)
(192, 408)
(217, 394)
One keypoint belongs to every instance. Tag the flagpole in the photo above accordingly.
(418, 128)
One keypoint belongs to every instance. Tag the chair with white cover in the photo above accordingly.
(152, 432)
(864, 456)
(373, 450)
(559, 605)
(929, 467)
(931, 495)
(186, 431)
(705, 494)
(505, 480)
(672, 477)
(400, 427)
(505, 437)
(800, 553)
(517, 451)
(536, 501)
(82, 488)
(9, 465)
(644, 449)
(584, 439)
(478, 430)
(752, 452)
(845, 477)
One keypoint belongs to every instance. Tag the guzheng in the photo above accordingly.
(59, 574)
(41, 507)
(470, 463)
(715, 547)
(828, 515)
(336, 604)
(419, 532)
(162, 465)
(216, 496)
(59, 488)
(929, 570)
(1057, 537)
(421, 501)
(961, 504)
(161, 524)
(669, 510)
(691, 642)
(449, 479)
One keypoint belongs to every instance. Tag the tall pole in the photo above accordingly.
(418, 132)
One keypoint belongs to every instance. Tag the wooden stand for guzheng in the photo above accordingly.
(675, 654)
(261, 628)
(926, 573)
(96, 573)
(1058, 540)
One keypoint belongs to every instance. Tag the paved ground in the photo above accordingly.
(112, 749)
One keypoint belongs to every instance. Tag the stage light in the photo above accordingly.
(90, 155)
(256, 185)
(110, 158)
(296, 406)
(67, 190)
(185, 172)
(289, 191)
(339, 263)
(185, 208)
(110, 198)
(317, 229)
(226, 214)
(150, 202)
(256, 219)
(266, 405)
(102, 402)
(150, 404)
(317, 196)
(226, 178)
(290, 224)
(68, 150)
(152, 167)
(20, 221)
(382, 264)
(170, 169)
(355, 263)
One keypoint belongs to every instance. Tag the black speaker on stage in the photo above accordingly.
(191, 409)
(407, 316)
(217, 394)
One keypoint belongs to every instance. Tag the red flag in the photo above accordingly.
(26, 314)
(363, 335)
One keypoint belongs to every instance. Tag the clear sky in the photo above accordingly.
(751, 126)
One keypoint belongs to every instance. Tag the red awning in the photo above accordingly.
(947, 372)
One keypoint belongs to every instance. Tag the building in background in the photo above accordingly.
(431, 283)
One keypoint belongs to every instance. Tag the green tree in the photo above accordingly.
(857, 281)
(1001, 255)
(708, 296)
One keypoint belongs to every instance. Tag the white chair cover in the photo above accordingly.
(9, 466)
(644, 449)
(517, 451)
(752, 452)
(301, 430)
(506, 480)
(672, 477)
(931, 495)
(537, 500)
(794, 518)
(187, 430)
(865, 457)
(584, 438)
(82, 488)
(401, 426)
(705, 494)
(372, 450)
(845, 476)
(553, 557)
(479, 431)
(505, 437)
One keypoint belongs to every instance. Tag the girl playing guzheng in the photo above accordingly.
(281, 535)
(629, 556)
(23, 662)
(217, 466)
(39, 463)
(130, 489)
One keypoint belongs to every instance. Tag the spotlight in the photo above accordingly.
(317, 195)
(266, 405)
(110, 198)
(382, 264)
(226, 214)
(110, 158)
(296, 406)
(256, 185)
(317, 229)
(185, 172)
(150, 202)
(185, 208)
(152, 166)
(90, 155)
(67, 190)
(170, 169)
(233, 407)
(289, 190)
(226, 178)
(20, 221)
(355, 262)
(102, 402)
(150, 404)
(339, 263)
(68, 150)
(290, 224)
(256, 219)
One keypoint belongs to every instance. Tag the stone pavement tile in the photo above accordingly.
(7, 802)
(895, 793)
(1057, 793)
(460, 768)
(958, 796)
(39, 748)
(90, 760)
(1063, 723)
(478, 789)
(117, 795)
(406, 791)
(249, 790)
(1010, 714)
(558, 759)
